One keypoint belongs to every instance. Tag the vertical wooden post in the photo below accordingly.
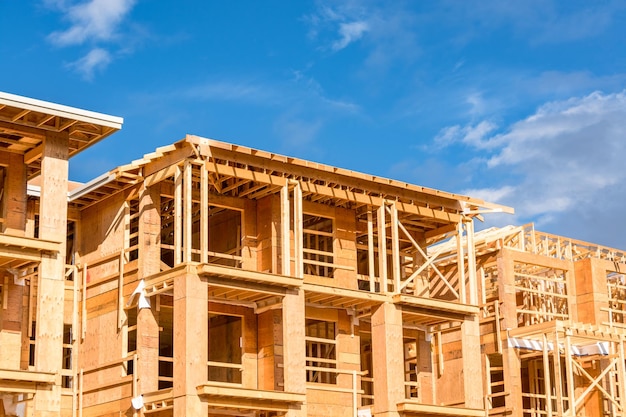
(187, 214)
(621, 368)
(388, 359)
(461, 262)
(382, 248)
(121, 316)
(370, 250)
(395, 248)
(470, 342)
(284, 227)
(297, 231)
(149, 249)
(204, 214)
(294, 349)
(83, 298)
(178, 216)
(571, 392)
(52, 226)
(471, 263)
(558, 381)
(546, 376)
(191, 336)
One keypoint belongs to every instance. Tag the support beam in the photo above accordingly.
(149, 264)
(294, 353)
(52, 226)
(388, 359)
(191, 335)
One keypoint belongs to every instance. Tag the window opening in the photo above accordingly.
(367, 380)
(131, 337)
(321, 351)
(167, 231)
(541, 294)
(133, 230)
(318, 238)
(66, 373)
(31, 344)
(224, 236)
(165, 305)
(495, 393)
(411, 359)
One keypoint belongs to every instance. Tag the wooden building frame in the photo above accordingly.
(211, 279)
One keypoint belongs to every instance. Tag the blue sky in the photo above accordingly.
(521, 103)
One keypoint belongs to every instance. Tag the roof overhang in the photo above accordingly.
(25, 122)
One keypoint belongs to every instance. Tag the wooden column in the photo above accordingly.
(471, 263)
(149, 264)
(52, 226)
(187, 209)
(461, 263)
(511, 362)
(178, 215)
(472, 368)
(388, 359)
(284, 228)
(294, 353)
(15, 196)
(370, 251)
(395, 249)
(298, 243)
(382, 248)
(191, 336)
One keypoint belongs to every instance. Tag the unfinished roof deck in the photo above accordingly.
(239, 171)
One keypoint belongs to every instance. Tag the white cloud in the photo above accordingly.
(96, 60)
(567, 161)
(473, 135)
(350, 32)
(94, 20)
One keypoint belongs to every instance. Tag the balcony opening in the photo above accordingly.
(225, 348)
(224, 236)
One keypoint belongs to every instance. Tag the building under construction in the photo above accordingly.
(210, 279)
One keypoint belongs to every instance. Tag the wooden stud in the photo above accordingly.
(382, 248)
(178, 215)
(461, 263)
(204, 214)
(284, 227)
(395, 248)
(187, 215)
(370, 251)
(471, 263)
(546, 376)
(297, 231)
